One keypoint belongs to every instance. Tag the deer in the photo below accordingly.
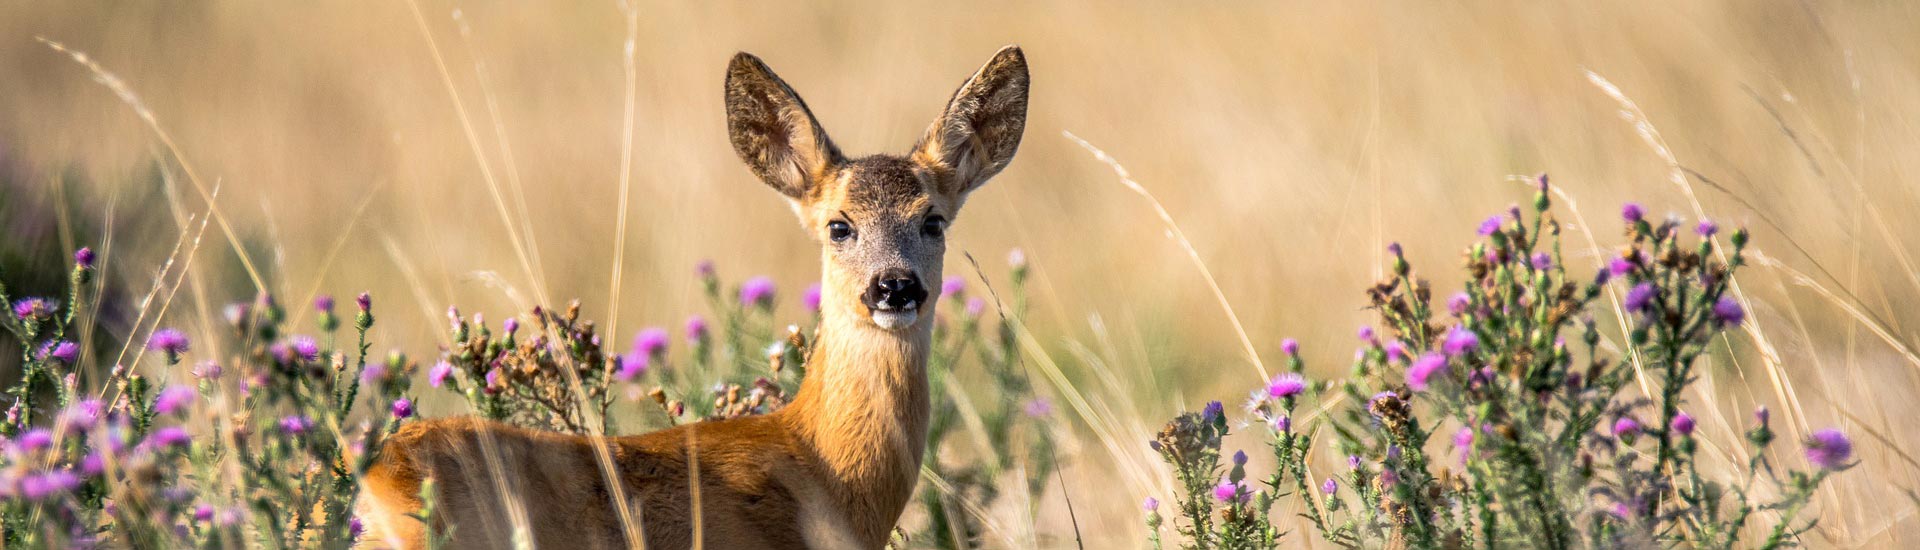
(834, 468)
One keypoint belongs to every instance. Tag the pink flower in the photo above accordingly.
(1829, 449)
(651, 342)
(696, 329)
(1460, 341)
(1683, 424)
(439, 373)
(174, 399)
(757, 292)
(810, 298)
(170, 341)
(1420, 375)
(1286, 385)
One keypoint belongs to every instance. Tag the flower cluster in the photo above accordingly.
(1547, 450)
(122, 455)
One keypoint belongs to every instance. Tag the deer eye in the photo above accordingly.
(839, 230)
(935, 227)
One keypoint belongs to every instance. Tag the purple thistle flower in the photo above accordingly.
(1490, 226)
(1330, 487)
(1829, 449)
(651, 342)
(34, 440)
(1151, 504)
(176, 398)
(402, 408)
(1458, 303)
(1420, 375)
(1366, 335)
(757, 291)
(203, 513)
(83, 258)
(355, 528)
(1619, 266)
(1640, 297)
(323, 303)
(29, 308)
(1542, 261)
(1229, 492)
(65, 352)
(171, 341)
(294, 425)
(1389, 478)
(704, 268)
(511, 325)
(696, 329)
(49, 484)
(1761, 415)
(305, 348)
(364, 300)
(1286, 385)
(1282, 424)
(1460, 341)
(439, 373)
(1291, 347)
(1463, 439)
(373, 373)
(1727, 312)
(632, 366)
(1683, 424)
(1632, 212)
(83, 415)
(1706, 228)
(810, 298)
(1213, 411)
(1353, 462)
(1396, 351)
(976, 306)
(1394, 248)
(492, 378)
(1038, 407)
(953, 286)
(172, 437)
(1626, 426)
(1239, 458)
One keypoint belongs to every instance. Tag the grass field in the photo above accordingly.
(500, 156)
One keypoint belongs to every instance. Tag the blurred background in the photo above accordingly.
(471, 154)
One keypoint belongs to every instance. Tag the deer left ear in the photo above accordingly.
(980, 130)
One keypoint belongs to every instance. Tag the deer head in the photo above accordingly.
(881, 220)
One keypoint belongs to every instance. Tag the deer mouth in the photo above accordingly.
(896, 317)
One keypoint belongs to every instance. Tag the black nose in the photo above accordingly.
(894, 289)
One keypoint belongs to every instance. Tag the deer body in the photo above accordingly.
(833, 469)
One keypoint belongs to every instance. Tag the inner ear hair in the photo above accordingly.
(978, 133)
(773, 131)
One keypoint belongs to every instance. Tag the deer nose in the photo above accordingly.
(894, 290)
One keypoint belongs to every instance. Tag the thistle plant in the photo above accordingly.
(1545, 438)
(260, 442)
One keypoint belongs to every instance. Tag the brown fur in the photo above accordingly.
(835, 468)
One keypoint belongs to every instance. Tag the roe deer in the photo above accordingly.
(833, 469)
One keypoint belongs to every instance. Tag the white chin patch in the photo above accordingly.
(895, 320)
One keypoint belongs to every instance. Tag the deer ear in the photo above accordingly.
(772, 130)
(980, 130)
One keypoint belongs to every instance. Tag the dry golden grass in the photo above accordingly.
(1281, 139)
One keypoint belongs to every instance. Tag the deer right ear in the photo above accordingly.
(772, 130)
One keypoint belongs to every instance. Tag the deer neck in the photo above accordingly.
(863, 407)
